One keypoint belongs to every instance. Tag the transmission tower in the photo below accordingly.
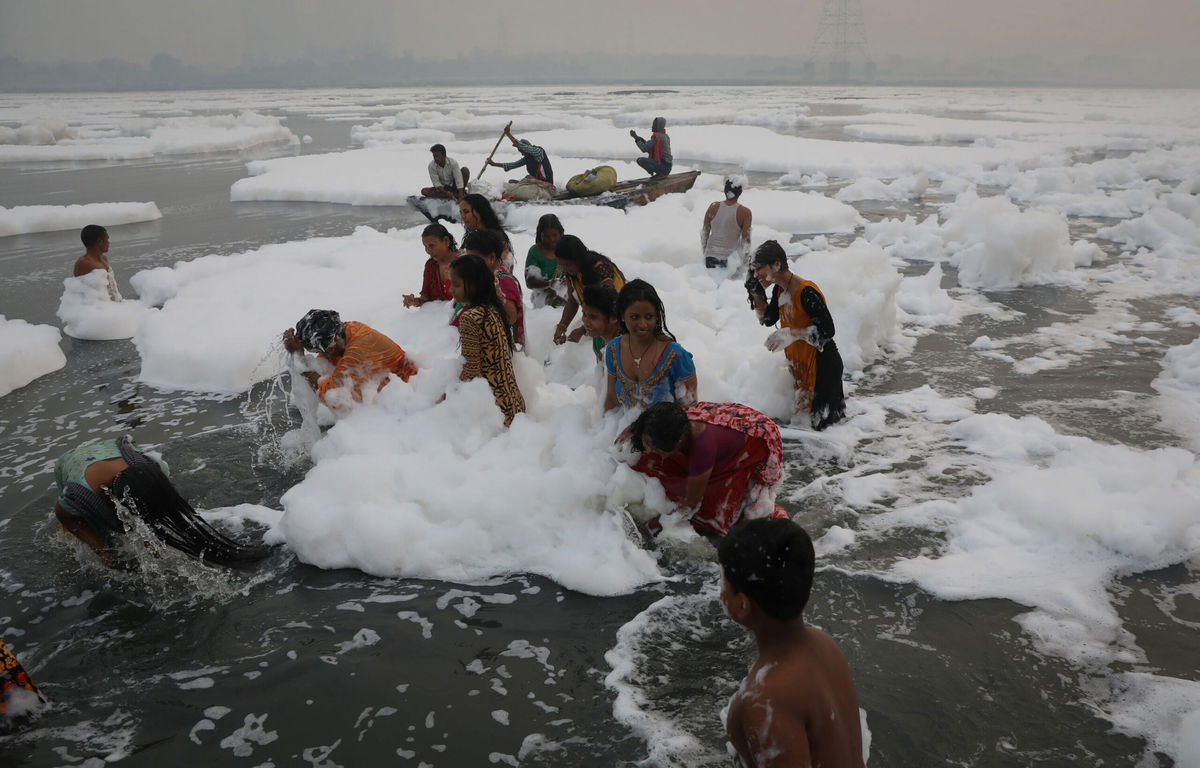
(841, 40)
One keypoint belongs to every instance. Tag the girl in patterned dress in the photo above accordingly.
(484, 334)
(487, 246)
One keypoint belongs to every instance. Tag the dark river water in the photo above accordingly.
(286, 664)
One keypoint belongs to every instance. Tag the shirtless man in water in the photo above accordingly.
(95, 241)
(797, 705)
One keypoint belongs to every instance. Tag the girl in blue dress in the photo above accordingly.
(645, 364)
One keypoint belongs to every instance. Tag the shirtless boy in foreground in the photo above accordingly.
(797, 705)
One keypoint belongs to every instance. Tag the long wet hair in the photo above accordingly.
(767, 254)
(441, 233)
(639, 290)
(320, 329)
(144, 489)
(571, 248)
(664, 424)
(483, 209)
(484, 241)
(547, 221)
(480, 285)
(603, 298)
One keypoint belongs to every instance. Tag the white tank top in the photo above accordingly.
(724, 234)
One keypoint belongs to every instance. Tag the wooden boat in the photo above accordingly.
(622, 195)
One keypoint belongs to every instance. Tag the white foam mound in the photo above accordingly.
(1179, 388)
(1060, 519)
(26, 352)
(904, 188)
(88, 313)
(477, 502)
(22, 219)
(995, 245)
(147, 137)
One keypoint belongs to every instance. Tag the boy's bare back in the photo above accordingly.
(797, 707)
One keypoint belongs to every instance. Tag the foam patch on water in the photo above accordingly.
(88, 313)
(1163, 710)
(134, 138)
(1179, 389)
(22, 219)
(1060, 519)
(27, 352)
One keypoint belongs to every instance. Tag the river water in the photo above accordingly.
(287, 664)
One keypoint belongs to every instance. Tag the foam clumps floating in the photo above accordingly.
(88, 313)
(23, 219)
(27, 352)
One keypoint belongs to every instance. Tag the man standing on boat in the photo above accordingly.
(449, 181)
(657, 148)
(726, 229)
(533, 157)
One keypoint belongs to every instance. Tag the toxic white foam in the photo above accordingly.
(22, 219)
(27, 352)
(87, 311)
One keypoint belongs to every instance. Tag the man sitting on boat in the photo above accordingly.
(657, 148)
(533, 157)
(449, 181)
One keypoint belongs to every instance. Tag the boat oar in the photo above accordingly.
(489, 157)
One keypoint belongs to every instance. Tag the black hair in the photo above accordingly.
(91, 234)
(441, 233)
(603, 298)
(663, 423)
(547, 221)
(480, 287)
(319, 329)
(483, 209)
(484, 241)
(145, 490)
(771, 561)
(438, 148)
(639, 290)
(571, 248)
(770, 252)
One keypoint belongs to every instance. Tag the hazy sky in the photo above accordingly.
(235, 32)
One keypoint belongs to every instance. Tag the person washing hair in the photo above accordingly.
(657, 148)
(805, 335)
(92, 479)
(726, 228)
(358, 353)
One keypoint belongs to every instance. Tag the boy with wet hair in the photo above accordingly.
(797, 705)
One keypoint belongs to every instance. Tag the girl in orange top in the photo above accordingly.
(358, 352)
(805, 335)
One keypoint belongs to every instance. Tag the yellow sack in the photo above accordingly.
(593, 182)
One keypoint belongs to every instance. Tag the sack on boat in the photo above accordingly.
(529, 189)
(594, 182)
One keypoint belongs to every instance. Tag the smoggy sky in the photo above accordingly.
(236, 32)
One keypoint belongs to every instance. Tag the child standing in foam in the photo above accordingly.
(645, 364)
(487, 246)
(797, 705)
(435, 283)
(486, 339)
(95, 256)
(600, 317)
